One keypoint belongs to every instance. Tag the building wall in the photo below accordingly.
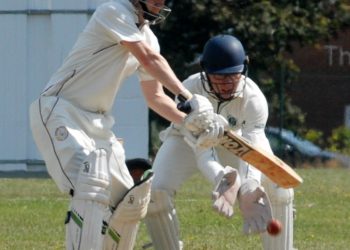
(323, 87)
(36, 37)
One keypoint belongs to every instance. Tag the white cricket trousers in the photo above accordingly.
(65, 136)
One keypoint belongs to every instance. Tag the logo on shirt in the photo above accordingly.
(232, 121)
(61, 133)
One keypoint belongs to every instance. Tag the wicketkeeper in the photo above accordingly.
(239, 100)
(72, 125)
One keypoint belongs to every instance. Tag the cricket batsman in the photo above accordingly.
(72, 124)
(224, 81)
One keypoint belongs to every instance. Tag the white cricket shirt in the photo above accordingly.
(98, 64)
(246, 114)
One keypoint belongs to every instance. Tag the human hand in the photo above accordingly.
(255, 207)
(210, 136)
(199, 110)
(225, 192)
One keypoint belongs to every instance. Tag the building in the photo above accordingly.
(323, 87)
(36, 37)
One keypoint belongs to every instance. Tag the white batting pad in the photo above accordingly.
(162, 223)
(124, 238)
(124, 223)
(282, 209)
(89, 205)
(84, 230)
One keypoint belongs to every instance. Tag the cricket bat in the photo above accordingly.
(273, 167)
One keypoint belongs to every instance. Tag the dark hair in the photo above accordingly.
(137, 163)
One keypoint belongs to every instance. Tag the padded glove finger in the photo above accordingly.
(225, 192)
(199, 117)
(212, 136)
(255, 207)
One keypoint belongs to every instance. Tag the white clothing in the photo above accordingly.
(66, 136)
(71, 124)
(98, 64)
(247, 115)
(86, 85)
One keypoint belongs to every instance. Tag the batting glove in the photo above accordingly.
(212, 136)
(209, 137)
(200, 110)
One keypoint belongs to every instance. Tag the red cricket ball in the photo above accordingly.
(274, 227)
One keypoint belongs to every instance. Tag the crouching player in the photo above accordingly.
(237, 98)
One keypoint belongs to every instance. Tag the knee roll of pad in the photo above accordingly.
(160, 202)
(93, 180)
(134, 205)
(90, 204)
(277, 194)
(124, 222)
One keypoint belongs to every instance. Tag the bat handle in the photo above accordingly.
(183, 105)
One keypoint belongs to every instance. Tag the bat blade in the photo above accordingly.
(273, 167)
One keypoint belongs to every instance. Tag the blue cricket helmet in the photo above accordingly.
(223, 54)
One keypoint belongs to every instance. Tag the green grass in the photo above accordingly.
(32, 215)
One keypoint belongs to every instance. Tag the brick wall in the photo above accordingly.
(323, 87)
